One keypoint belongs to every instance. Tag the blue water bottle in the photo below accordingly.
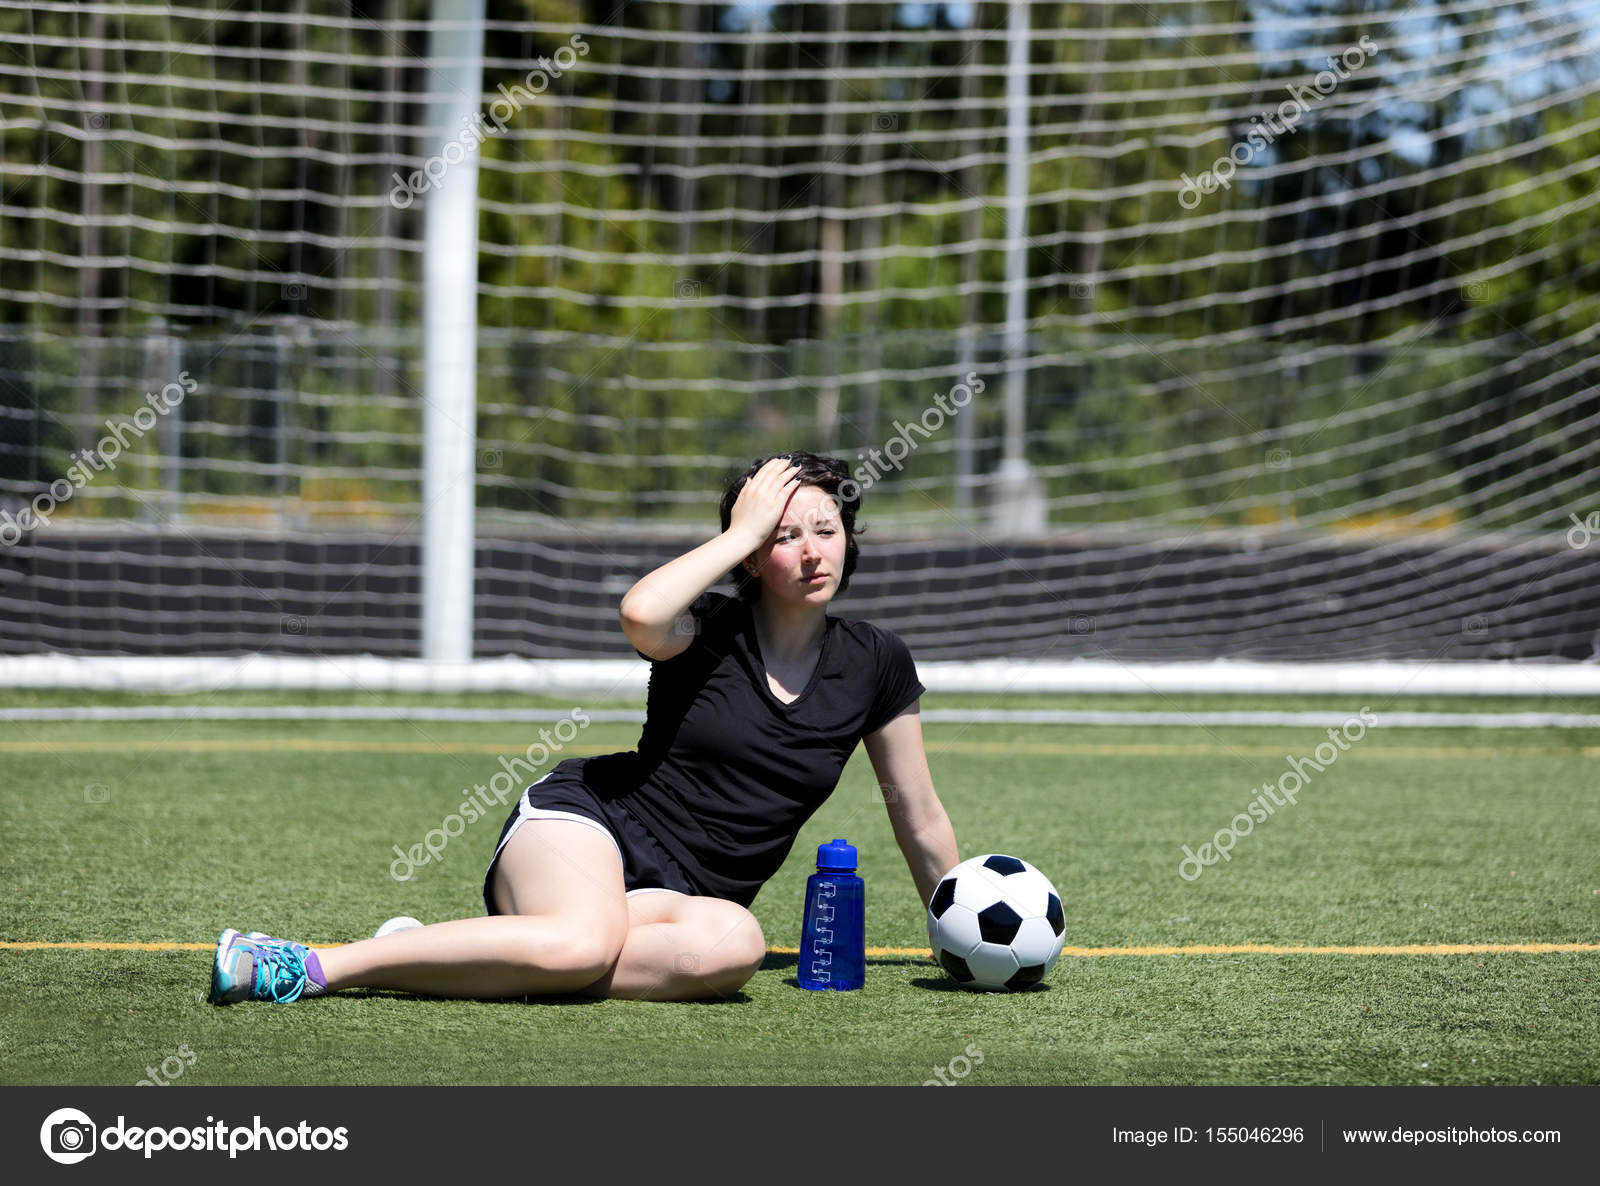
(833, 946)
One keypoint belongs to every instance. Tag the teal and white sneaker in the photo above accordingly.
(257, 967)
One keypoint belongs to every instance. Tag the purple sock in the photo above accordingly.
(314, 974)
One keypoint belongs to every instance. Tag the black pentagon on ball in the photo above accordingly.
(1052, 912)
(942, 897)
(956, 966)
(1005, 866)
(1023, 977)
(999, 924)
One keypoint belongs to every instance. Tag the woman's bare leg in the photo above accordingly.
(683, 948)
(560, 883)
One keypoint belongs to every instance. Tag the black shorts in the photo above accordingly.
(646, 866)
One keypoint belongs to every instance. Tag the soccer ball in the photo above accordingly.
(403, 923)
(995, 924)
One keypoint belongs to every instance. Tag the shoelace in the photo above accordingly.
(280, 972)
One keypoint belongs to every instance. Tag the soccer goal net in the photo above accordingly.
(1153, 331)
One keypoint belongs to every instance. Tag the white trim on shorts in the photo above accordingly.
(526, 811)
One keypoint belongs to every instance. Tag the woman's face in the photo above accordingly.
(802, 560)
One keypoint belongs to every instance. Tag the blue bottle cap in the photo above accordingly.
(837, 855)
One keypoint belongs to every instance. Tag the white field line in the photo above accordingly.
(563, 677)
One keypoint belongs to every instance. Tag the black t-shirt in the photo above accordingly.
(725, 773)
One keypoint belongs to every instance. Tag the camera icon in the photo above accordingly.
(689, 290)
(1081, 290)
(96, 792)
(686, 624)
(885, 792)
(67, 1136)
(885, 121)
(292, 624)
(1081, 624)
(1279, 459)
(490, 458)
(686, 961)
(1477, 624)
(294, 292)
(97, 121)
(1478, 290)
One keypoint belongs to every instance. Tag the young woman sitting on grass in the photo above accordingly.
(630, 874)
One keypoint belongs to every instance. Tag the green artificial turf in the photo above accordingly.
(1412, 837)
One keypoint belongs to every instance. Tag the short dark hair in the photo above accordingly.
(828, 474)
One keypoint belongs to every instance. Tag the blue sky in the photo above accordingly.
(754, 13)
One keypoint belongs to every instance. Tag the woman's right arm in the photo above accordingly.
(652, 610)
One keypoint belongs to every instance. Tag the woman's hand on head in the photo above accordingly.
(762, 499)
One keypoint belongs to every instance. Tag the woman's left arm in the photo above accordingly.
(921, 827)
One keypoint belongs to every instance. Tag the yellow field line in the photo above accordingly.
(1131, 750)
(30, 945)
(1081, 952)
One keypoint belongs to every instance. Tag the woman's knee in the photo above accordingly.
(579, 945)
(737, 944)
(752, 944)
(594, 951)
